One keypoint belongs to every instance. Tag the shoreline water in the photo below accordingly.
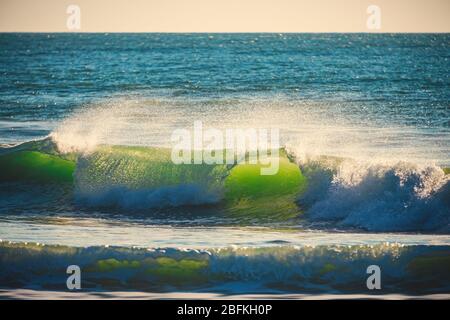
(27, 294)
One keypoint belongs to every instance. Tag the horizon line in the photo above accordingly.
(227, 32)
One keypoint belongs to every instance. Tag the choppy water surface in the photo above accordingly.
(87, 119)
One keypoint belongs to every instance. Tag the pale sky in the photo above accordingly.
(225, 15)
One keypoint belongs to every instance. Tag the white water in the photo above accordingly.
(83, 232)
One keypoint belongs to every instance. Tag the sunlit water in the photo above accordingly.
(379, 101)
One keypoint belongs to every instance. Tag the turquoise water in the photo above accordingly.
(363, 118)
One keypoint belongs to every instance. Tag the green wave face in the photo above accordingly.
(35, 166)
(250, 193)
(142, 168)
(245, 181)
(241, 188)
(135, 172)
(139, 167)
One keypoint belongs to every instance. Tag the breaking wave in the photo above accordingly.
(377, 196)
(339, 269)
(342, 193)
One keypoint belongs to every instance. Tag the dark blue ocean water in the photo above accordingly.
(379, 102)
(392, 78)
(381, 97)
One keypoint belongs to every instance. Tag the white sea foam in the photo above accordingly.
(376, 196)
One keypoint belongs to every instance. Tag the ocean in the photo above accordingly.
(86, 176)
